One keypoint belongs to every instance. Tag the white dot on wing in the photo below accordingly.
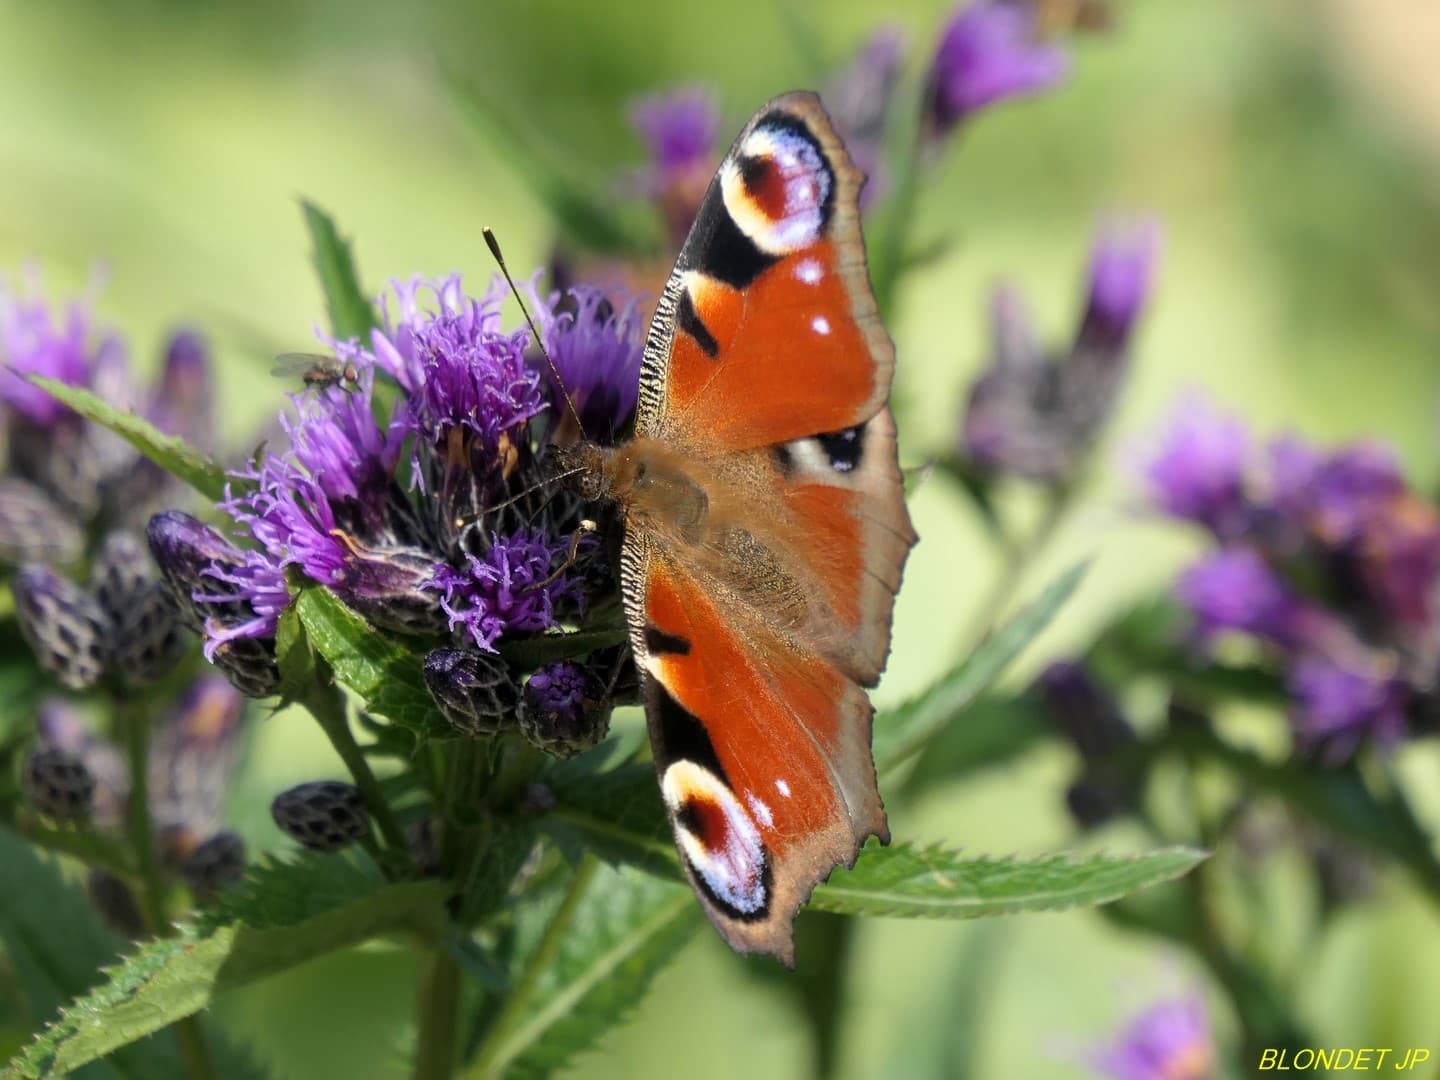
(809, 271)
(820, 324)
(782, 787)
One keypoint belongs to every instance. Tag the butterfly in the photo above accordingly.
(764, 528)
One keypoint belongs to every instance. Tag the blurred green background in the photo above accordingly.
(1289, 147)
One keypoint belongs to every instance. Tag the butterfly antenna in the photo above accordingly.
(494, 246)
(471, 519)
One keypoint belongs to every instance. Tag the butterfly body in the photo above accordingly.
(764, 528)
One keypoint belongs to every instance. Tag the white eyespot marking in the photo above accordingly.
(809, 271)
(716, 836)
(820, 325)
(759, 811)
(782, 787)
(776, 188)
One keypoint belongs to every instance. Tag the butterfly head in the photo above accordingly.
(586, 469)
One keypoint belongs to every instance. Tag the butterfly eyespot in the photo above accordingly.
(718, 838)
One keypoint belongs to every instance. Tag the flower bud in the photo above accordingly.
(385, 586)
(325, 815)
(184, 548)
(57, 783)
(182, 404)
(64, 625)
(474, 690)
(1087, 716)
(214, 864)
(146, 638)
(34, 528)
(561, 711)
(193, 756)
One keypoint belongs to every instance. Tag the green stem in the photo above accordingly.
(134, 723)
(889, 250)
(495, 1053)
(1020, 554)
(326, 703)
(438, 1016)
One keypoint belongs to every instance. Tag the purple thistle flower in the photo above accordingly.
(1332, 494)
(1122, 274)
(562, 710)
(1198, 474)
(1336, 705)
(182, 403)
(1234, 589)
(1399, 559)
(596, 350)
(679, 128)
(989, 52)
(460, 369)
(1168, 1041)
(35, 340)
(507, 589)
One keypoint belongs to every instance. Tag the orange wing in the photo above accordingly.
(767, 330)
(763, 755)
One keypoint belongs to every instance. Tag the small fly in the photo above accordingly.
(317, 370)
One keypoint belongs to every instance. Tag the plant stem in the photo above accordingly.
(495, 1055)
(1017, 560)
(438, 1017)
(327, 704)
(134, 724)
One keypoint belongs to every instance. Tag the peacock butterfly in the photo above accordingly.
(764, 528)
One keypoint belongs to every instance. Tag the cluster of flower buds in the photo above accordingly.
(440, 518)
(1326, 557)
(1034, 414)
(1089, 719)
(73, 776)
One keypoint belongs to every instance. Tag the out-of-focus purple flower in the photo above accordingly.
(1234, 589)
(1199, 471)
(1088, 716)
(37, 340)
(194, 754)
(989, 51)
(1168, 1041)
(858, 99)
(1332, 494)
(508, 589)
(1122, 275)
(679, 129)
(183, 402)
(596, 349)
(1398, 553)
(1337, 705)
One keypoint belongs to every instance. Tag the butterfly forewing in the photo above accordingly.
(758, 622)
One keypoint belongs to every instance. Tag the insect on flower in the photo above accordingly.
(317, 370)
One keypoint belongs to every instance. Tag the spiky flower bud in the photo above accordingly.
(65, 627)
(34, 528)
(324, 815)
(214, 864)
(146, 639)
(58, 784)
(562, 710)
(475, 690)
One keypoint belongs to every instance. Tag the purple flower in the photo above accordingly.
(1168, 1041)
(989, 51)
(1234, 589)
(596, 350)
(1398, 552)
(1122, 273)
(182, 403)
(509, 589)
(858, 99)
(459, 368)
(1332, 494)
(36, 340)
(679, 129)
(563, 710)
(1336, 704)
(1198, 474)
(557, 689)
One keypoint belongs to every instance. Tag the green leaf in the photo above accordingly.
(583, 218)
(903, 731)
(932, 883)
(527, 653)
(175, 977)
(293, 655)
(352, 315)
(57, 946)
(174, 455)
(617, 815)
(995, 730)
(593, 961)
(386, 676)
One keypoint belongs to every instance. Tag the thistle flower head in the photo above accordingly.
(1198, 472)
(1339, 703)
(989, 51)
(1235, 590)
(1168, 1041)
(596, 349)
(36, 339)
(679, 129)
